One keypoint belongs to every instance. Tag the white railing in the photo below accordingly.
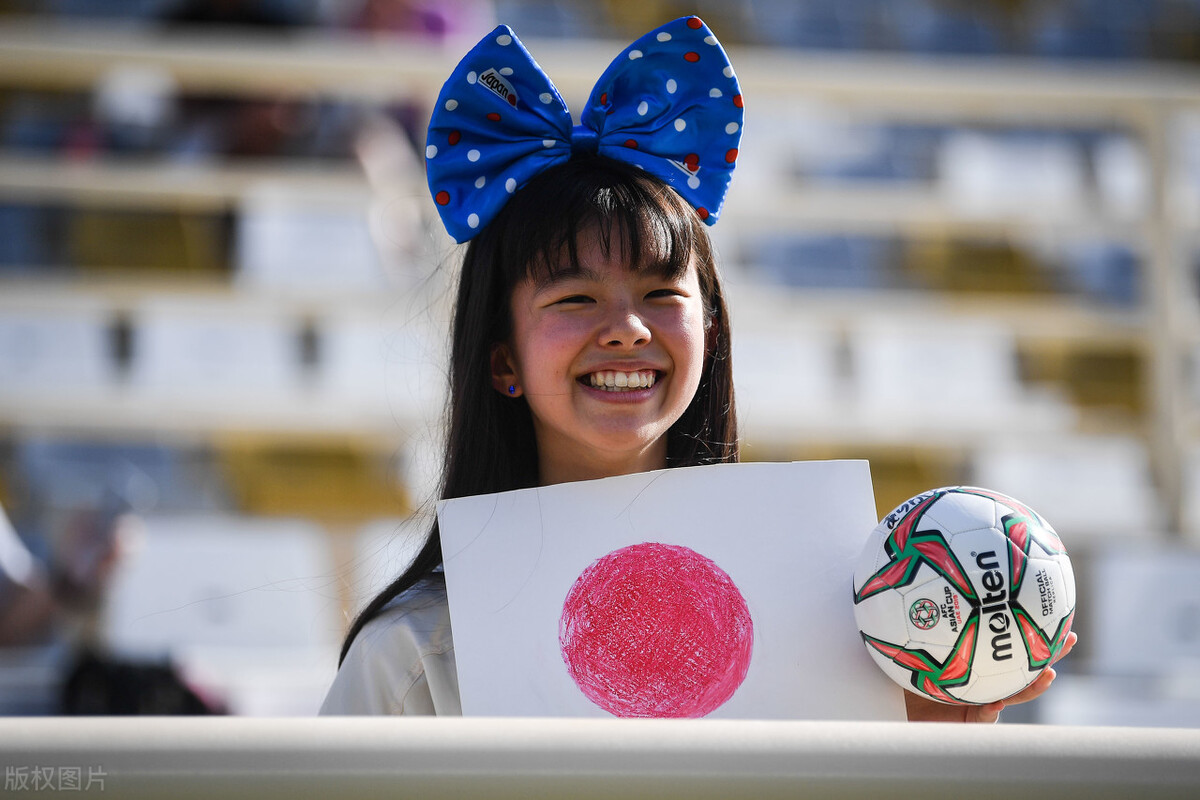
(231, 758)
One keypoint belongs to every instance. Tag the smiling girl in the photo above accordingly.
(591, 336)
(607, 330)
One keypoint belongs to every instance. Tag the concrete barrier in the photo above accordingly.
(229, 758)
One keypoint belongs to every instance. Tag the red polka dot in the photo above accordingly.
(442, 197)
(737, 101)
(656, 630)
(512, 100)
(731, 155)
(454, 137)
(692, 161)
(494, 117)
(691, 56)
(694, 23)
(703, 212)
(604, 99)
(631, 144)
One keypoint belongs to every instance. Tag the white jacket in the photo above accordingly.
(401, 662)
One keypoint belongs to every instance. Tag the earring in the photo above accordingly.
(512, 389)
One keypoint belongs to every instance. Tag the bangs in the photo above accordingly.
(634, 216)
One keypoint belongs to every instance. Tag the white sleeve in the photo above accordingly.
(402, 662)
(381, 674)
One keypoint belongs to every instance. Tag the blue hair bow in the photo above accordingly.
(669, 103)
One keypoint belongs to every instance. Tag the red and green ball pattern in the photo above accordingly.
(909, 547)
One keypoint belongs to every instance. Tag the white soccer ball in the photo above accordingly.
(964, 595)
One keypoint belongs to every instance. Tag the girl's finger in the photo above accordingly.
(1068, 645)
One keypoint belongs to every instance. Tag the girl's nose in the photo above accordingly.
(625, 329)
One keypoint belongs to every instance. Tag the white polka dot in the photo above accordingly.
(546, 97)
(727, 72)
(710, 39)
(451, 104)
(714, 93)
(680, 124)
(731, 127)
(506, 71)
(431, 151)
(642, 108)
(671, 86)
(473, 155)
(480, 181)
(693, 182)
(471, 77)
(504, 40)
(473, 220)
(547, 143)
(635, 54)
(664, 37)
(510, 185)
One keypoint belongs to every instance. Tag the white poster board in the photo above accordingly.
(746, 570)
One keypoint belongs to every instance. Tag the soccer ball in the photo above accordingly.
(964, 595)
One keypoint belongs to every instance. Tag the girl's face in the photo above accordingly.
(607, 358)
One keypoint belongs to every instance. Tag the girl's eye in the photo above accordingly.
(576, 298)
(664, 293)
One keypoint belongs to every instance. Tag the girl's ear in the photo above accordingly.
(504, 373)
(711, 335)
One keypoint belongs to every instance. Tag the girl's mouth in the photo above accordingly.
(611, 381)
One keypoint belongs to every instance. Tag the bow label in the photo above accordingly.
(689, 167)
(493, 80)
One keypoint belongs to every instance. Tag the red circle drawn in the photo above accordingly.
(656, 630)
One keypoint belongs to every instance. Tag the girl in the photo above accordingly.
(591, 336)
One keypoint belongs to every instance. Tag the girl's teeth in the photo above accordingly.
(622, 381)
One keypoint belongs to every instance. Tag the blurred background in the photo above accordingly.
(963, 243)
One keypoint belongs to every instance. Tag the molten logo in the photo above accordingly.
(995, 605)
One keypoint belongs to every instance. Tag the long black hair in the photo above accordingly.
(490, 444)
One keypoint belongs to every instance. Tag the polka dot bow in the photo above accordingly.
(669, 103)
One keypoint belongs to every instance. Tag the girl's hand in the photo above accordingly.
(922, 709)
